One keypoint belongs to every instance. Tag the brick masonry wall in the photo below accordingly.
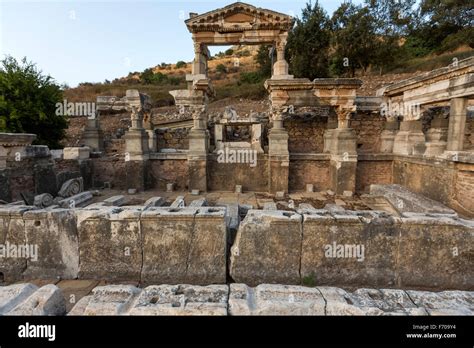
(110, 169)
(304, 172)
(173, 139)
(464, 187)
(306, 137)
(224, 176)
(368, 128)
(113, 127)
(469, 134)
(163, 172)
(446, 182)
(372, 172)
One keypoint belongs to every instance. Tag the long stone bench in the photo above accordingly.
(165, 245)
(354, 249)
(142, 244)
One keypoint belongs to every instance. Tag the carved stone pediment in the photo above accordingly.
(239, 17)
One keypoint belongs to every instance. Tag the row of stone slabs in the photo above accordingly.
(233, 299)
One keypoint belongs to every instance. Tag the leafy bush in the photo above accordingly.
(251, 77)
(28, 102)
(229, 52)
(221, 68)
(181, 64)
(244, 53)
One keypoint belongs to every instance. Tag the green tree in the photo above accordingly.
(181, 64)
(354, 40)
(28, 102)
(441, 21)
(221, 68)
(308, 43)
(394, 20)
(264, 60)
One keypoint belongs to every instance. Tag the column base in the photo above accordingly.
(343, 174)
(410, 139)
(278, 161)
(94, 139)
(387, 141)
(343, 164)
(136, 145)
(197, 159)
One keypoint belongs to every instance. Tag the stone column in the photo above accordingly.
(280, 68)
(198, 149)
(278, 154)
(93, 136)
(257, 137)
(388, 135)
(136, 152)
(436, 137)
(219, 136)
(457, 124)
(200, 59)
(343, 150)
(328, 134)
(410, 139)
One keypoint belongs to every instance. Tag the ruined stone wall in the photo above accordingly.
(409, 252)
(36, 175)
(109, 169)
(372, 171)
(113, 127)
(447, 182)
(20, 178)
(306, 136)
(224, 176)
(173, 138)
(464, 187)
(309, 171)
(147, 245)
(168, 171)
(469, 134)
(164, 245)
(368, 127)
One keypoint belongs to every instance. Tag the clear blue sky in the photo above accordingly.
(84, 40)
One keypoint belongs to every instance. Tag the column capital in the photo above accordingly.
(344, 116)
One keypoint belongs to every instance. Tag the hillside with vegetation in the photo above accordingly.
(379, 41)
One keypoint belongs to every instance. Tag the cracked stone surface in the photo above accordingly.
(28, 299)
(233, 299)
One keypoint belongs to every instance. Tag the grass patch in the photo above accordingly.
(429, 63)
(309, 281)
(255, 91)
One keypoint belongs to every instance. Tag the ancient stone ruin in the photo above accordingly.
(325, 192)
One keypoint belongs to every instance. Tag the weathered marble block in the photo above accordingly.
(76, 153)
(343, 249)
(275, 300)
(184, 245)
(436, 252)
(12, 233)
(267, 248)
(182, 300)
(110, 244)
(54, 232)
